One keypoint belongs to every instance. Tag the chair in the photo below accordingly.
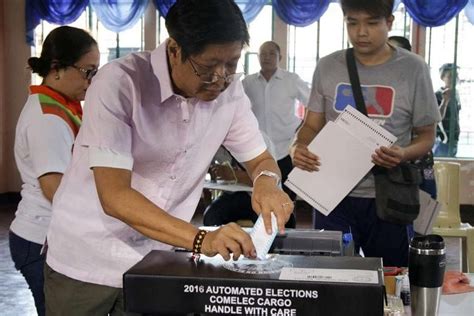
(448, 223)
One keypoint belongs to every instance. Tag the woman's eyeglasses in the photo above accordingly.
(212, 77)
(87, 73)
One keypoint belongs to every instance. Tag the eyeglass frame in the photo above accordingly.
(87, 73)
(216, 77)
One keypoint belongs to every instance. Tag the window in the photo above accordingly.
(442, 46)
(111, 44)
(308, 44)
(43, 29)
(402, 23)
(260, 31)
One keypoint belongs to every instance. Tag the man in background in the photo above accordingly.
(273, 93)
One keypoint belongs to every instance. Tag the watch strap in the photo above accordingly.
(268, 173)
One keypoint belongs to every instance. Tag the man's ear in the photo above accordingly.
(390, 22)
(174, 51)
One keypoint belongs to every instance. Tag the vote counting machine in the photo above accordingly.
(307, 272)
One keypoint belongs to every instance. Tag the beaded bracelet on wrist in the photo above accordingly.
(197, 244)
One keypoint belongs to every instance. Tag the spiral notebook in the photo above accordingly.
(345, 147)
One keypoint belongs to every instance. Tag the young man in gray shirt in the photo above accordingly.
(398, 94)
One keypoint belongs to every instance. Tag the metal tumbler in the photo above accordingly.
(427, 262)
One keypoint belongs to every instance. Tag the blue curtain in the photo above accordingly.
(163, 6)
(433, 12)
(300, 12)
(119, 15)
(469, 11)
(54, 11)
(250, 8)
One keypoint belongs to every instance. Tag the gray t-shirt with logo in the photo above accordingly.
(398, 95)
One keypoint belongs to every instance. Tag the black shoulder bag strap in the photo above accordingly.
(356, 89)
(355, 83)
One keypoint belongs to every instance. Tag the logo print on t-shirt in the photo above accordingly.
(378, 99)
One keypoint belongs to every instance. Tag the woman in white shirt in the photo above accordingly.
(45, 133)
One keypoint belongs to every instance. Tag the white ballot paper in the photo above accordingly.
(429, 209)
(344, 147)
(261, 240)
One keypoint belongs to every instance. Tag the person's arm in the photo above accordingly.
(443, 104)
(49, 184)
(267, 196)
(420, 145)
(303, 91)
(120, 200)
(300, 155)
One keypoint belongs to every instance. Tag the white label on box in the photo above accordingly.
(330, 275)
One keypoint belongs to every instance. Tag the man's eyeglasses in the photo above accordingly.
(87, 73)
(212, 77)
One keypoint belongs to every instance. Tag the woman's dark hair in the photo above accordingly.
(193, 24)
(403, 42)
(63, 47)
(376, 8)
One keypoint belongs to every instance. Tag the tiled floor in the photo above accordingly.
(15, 297)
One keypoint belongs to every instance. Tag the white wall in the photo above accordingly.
(14, 82)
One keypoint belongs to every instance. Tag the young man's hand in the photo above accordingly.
(304, 159)
(388, 157)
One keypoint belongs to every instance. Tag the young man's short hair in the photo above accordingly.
(375, 8)
(194, 24)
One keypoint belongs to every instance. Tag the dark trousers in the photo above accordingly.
(67, 296)
(376, 237)
(28, 260)
(231, 207)
(286, 165)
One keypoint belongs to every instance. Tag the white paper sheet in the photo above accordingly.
(261, 240)
(345, 148)
(429, 209)
(330, 275)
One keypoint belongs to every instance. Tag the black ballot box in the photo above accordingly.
(165, 283)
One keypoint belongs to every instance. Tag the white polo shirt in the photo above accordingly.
(273, 103)
(43, 144)
(133, 120)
